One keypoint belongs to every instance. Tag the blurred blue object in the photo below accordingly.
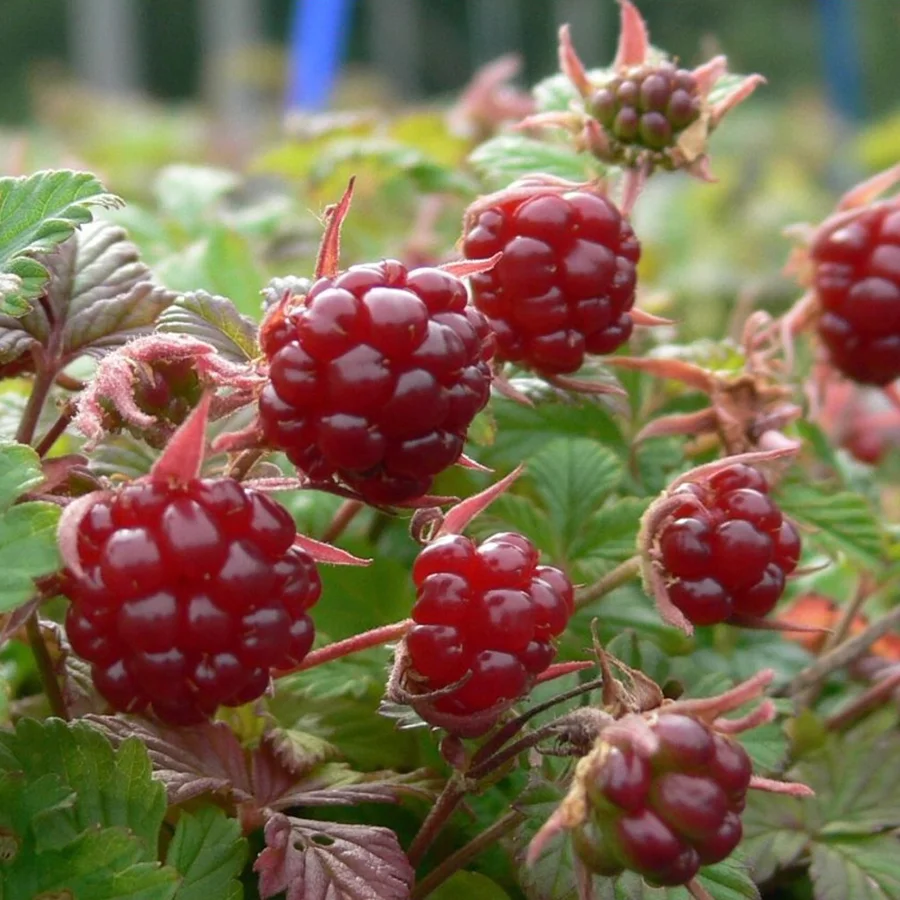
(840, 48)
(319, 32)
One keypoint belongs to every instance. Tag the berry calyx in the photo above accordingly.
(565, 284)
(186, 594)
(485, 621)
(856, 280)
(662, 813)
(725, 548)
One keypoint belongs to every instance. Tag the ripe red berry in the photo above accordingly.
(190, 594)
(664, 813)
(375, 377)
(485, 616)
(566, 281)
(729, 549)
(856, 278)
(646, 110)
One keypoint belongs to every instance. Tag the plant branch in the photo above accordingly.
(330, 652)
(438, 816)
(45, 667)
(842, 655)
(40, 388)
(467, 853)
(870, 699)
(621, 574)
(345, 514)
(56, 431)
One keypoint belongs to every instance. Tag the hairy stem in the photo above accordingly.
(40, 388)
(870, 699)
(620, 575)
(467, 853)
(245, 461)
(345, 514)
(45, 667)
(374, 638)
(438, 816)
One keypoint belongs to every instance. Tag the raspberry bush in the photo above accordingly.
(523, 513)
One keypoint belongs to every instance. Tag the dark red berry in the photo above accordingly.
(565, 283)
(856, 277)
(485, 617)
(190, 595)
(377, 379)
(665, 812)
(728, 548)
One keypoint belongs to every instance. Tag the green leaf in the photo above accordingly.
(20, 470)
(99, 865)
(471, 885)
(843, 521)
(37, 213)
(610, 534)
(209, 852)
(28, 549)
(111, 788)
(727, 880)
(557, 93)
(572, 477)
(215, 320)
(507, 157)
(518, 513)
(858, 868)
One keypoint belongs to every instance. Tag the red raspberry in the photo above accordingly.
(856, 277)
(728, 549)
(487, 614)
(375, 378)
(565, 283)
(666, 814)
(190, 595)
(645, 110)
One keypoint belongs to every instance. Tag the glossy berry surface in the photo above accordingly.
(487, 614)
(646, 109)
(375, 378)
(189, 596)
(856, 277)
(565, 284)
(666, 813)
(728, 549)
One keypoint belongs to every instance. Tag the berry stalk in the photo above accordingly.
(45, 667)
(345, 514)
(621, 574)
(438, 816)
(40, 388)
(355, 644)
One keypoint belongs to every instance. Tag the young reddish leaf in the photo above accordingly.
(328, 261)
(459, 516)
(182, 459)
(326, 553)
(464, 267)
(570, 63)
(634, 42)
(310, 860)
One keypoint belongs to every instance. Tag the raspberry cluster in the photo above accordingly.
(375, 378)
(487, 614)
(856, 277)
(729, 548)
(666, 814)
(647, 108)
(566, 281)
(189, 595)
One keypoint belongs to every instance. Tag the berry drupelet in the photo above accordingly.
(188, 595)
(565, 284)
(726, 550)
(485, 616)
(856, 280)
(374, 377)
(666, 813)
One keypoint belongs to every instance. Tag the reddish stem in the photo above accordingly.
(870, 699)
(374, 638)
(345, 514)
